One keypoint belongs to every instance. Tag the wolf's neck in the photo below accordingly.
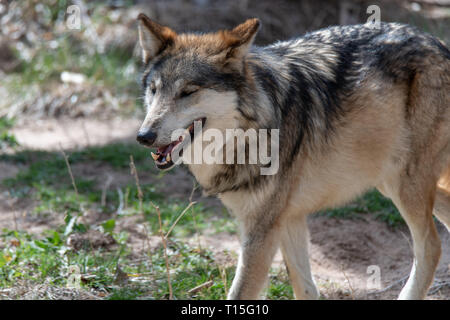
(302, 90)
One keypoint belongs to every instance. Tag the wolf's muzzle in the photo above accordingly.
(147, 138)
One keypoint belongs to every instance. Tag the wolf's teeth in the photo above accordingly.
(154, 156)
(168, 158)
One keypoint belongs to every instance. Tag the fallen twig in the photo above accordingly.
(438, 285)
(207, 284)
(401, 280)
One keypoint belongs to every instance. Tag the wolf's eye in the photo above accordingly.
(187, 93)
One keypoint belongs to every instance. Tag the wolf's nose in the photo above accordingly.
(146, 138)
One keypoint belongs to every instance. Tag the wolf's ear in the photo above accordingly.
(153, 37)
(241, 38)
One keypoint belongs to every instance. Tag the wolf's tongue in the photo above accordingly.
(164, 151)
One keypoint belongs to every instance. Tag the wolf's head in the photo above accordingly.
(190, 77)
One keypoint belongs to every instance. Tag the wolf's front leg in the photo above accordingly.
(258, 246)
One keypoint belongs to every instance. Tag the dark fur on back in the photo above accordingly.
(395, 51)
(307, 102)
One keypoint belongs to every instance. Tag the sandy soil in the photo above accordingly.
(341, 250)
(73, 133)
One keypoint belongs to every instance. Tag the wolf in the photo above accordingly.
(356, 107)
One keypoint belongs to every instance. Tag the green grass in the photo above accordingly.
(47, 181)
(191, 267)
(47, 258)
(279, 286)
(116, 154)
(114, 67)
(6, 138)
(371, 202)
(49, 168)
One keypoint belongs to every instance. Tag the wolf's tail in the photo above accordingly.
(442, 201)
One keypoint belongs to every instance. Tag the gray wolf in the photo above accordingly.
(356, 107)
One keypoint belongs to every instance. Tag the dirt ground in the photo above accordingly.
(341, 249)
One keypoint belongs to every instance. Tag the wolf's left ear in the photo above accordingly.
(153, 37)
(241, 38)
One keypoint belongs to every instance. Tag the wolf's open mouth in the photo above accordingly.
(163, 155)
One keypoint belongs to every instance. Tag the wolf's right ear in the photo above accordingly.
(153, 37)
(242, 37)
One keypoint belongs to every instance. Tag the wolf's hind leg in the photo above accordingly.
(442, 207)
(442, 202)
(415, 202)
(294, 246)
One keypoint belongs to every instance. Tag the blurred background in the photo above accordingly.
(70, 107)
